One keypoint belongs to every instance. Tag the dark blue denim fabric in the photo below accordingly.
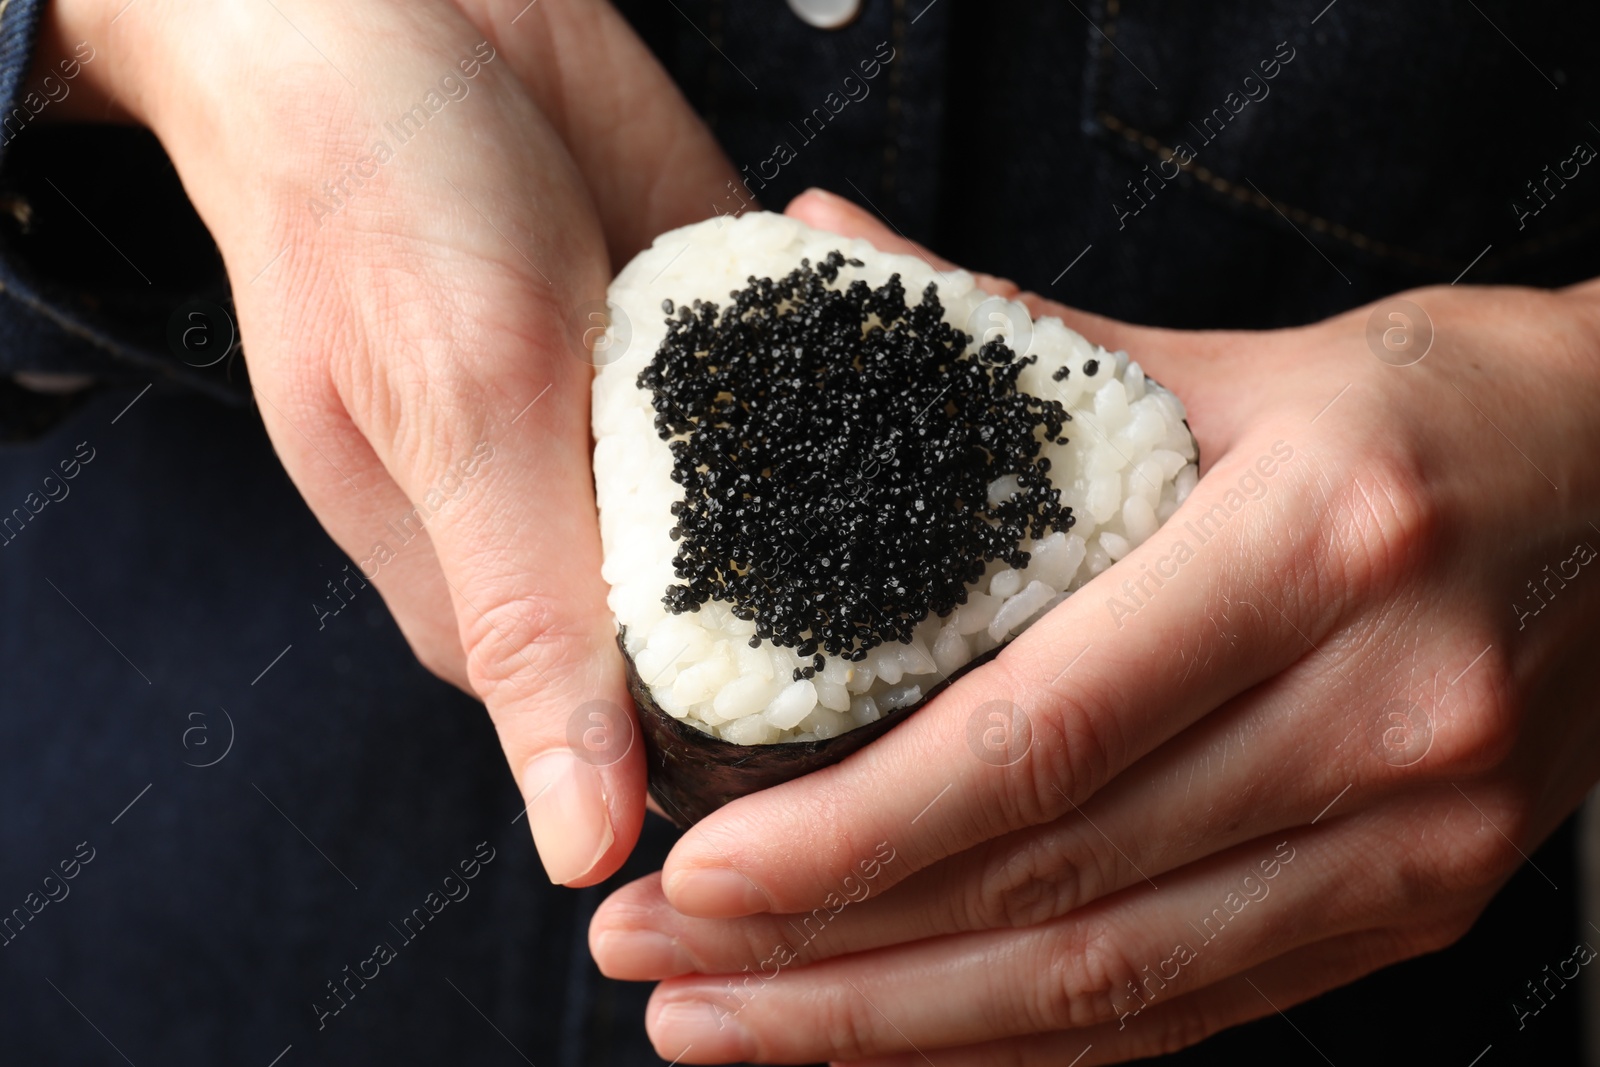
(19, 27)
(1005, 133)
(144, 611)
(298, 785)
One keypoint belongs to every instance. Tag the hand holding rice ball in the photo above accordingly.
(1282, 737)
(824, 500)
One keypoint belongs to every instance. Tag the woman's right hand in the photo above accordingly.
(413, 251)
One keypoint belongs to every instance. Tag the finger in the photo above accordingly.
(1090, 688)
(1183, 802)
(1165, 1027)
(825, 211)
(523, 567)
(1105, 963)
(1238, 774)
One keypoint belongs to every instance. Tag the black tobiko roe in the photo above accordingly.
(836, 448)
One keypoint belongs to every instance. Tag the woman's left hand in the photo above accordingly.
(1284, 742)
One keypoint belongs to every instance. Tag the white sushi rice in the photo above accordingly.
(1128, 464)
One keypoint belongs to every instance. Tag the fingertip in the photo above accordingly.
(613, 855)
(631, 904)
(810, 208)
(639, 955)
(569, 815)
(630, 935)
(714, 893)
(585, 819)
(824, 210)
(811, 199)
(689, 1023)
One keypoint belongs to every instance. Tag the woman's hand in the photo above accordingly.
(415, 253)
(1307, 729)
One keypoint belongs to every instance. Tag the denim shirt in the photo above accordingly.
(268, 781)
(1331, 158)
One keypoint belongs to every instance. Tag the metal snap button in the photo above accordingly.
(826, 14)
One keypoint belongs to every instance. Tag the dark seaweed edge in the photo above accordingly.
(692, 774)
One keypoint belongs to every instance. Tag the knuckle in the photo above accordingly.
(848, 1021)
(1482, 721)
(1065, 753)
(627, 911)
(1070, 755)
(517, 639)
(1084, 969)
(1390, 521)
(1480, 858)
(754, 946)
(397, 377)
(1028, 884)
(386, 347)
(1469, 857)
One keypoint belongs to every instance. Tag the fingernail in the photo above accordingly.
(821, 194)
(715, 893)
(713, 1030)
(641, 955)
(568, 813)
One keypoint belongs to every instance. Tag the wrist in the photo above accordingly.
(76, 49)
(1494, 423)
(1583, 302)
(171, 66)
(1574, 367)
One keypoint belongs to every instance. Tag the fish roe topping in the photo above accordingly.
(836, 449)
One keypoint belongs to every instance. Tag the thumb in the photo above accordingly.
(523, 568)
(521, 555)
(508, 383)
